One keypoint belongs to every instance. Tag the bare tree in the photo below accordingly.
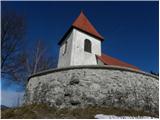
(16, 63)
(39, 60)
(12, 33)
(35, 61)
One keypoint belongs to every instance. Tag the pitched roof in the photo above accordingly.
(83, 24)
(108, 60)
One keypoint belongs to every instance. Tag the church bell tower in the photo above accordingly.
(80, 45)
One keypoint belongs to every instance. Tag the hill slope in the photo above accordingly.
(43, 111)
(3, 107)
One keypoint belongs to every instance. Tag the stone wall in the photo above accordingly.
(84, 86)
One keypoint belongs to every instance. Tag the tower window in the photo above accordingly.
(65, 48)
(87, 46)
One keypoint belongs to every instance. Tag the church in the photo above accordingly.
(86, 77)
(81, 45)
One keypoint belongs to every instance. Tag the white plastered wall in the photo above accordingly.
(65, 59)
(78, 55)
(75, 54)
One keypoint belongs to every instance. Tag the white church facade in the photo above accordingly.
(81, 45)
(79, 49)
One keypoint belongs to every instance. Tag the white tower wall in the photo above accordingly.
(75, 54)
(78, 55)
(65, 59)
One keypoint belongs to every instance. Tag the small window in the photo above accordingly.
(87, 46)
(65, 48)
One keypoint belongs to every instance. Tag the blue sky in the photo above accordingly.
(130, 29)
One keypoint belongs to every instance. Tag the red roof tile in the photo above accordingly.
(83, 24)
(108, 60)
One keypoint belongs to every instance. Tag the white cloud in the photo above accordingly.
(11, 98)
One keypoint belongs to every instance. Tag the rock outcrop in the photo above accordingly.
(84, 86)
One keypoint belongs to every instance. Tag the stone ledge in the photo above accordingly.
(112, 67)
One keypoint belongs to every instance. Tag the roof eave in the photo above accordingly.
(65, 35)
(127, 65)
(100, 38)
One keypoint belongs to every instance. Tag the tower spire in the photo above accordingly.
(82, 23)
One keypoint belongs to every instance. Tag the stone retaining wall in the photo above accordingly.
(83, 86)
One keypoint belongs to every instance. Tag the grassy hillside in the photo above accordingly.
(43, 111)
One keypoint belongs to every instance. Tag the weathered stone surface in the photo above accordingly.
(106, 86)
(74, 80)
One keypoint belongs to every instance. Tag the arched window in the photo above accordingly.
(87, 46)
(65, 48)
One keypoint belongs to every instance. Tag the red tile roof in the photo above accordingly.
(83, 24)
(108, 60)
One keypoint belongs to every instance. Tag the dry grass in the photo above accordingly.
(43, 111)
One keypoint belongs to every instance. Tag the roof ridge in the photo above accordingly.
(83, 23)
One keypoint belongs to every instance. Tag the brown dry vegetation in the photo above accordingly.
(42, 111)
